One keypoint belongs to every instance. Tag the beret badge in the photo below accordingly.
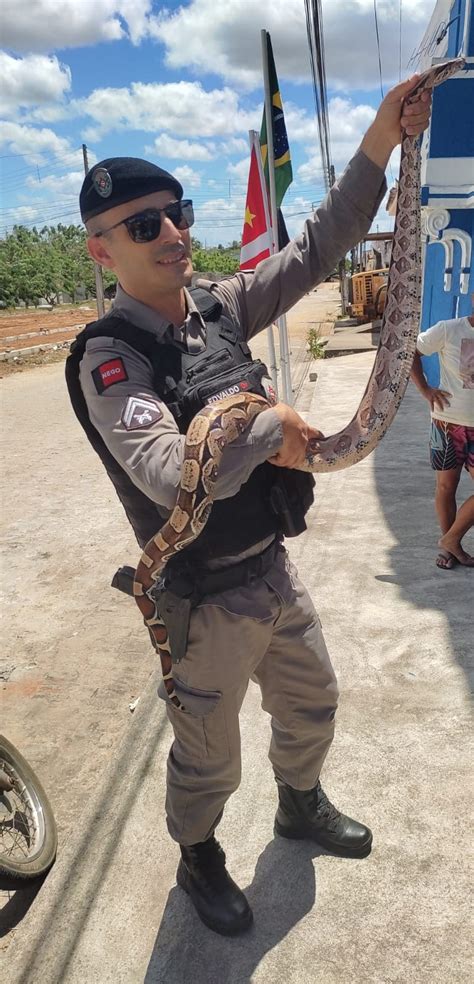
(102, 182)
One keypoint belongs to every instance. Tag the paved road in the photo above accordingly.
(399, 631)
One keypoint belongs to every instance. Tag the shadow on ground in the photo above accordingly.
(403, 475)
(15, 904)
(282, 892)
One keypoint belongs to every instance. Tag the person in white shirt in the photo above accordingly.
(452, 429)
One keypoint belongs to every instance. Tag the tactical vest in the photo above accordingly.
(273, 500)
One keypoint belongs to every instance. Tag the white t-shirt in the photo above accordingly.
(454, 343)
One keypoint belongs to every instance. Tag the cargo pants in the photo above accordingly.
(268, 632)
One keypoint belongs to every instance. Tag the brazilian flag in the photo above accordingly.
(281, 150)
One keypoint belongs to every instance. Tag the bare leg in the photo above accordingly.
(445, 504)
(451, 541)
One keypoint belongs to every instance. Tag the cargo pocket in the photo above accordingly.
(200, 729)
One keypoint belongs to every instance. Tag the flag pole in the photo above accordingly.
(281, 322)
(254, 141)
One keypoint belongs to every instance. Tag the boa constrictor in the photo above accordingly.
(218, 425)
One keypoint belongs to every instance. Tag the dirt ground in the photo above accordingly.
(27, 329)
(35, 320)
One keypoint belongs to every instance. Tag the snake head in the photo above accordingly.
(435, 76)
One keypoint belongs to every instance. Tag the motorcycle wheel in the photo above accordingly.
(28, 836)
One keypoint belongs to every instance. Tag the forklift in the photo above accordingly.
(369, 277)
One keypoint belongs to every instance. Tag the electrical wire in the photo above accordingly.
(380, 60)
(52, 160)
(378, 46)
(314, 30)
(400, 43)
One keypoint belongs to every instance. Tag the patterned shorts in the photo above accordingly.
(451, 446)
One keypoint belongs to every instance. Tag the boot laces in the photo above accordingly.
(325, 810)
(210, 854)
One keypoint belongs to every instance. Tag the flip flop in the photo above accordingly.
(449, 560)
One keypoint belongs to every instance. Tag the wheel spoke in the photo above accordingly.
(20, 825)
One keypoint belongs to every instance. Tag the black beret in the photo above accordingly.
(121, 179)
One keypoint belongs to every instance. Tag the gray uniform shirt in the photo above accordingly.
(152, 453)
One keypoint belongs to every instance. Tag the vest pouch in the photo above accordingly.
(209, 366)
(290, 498)
(246, 378)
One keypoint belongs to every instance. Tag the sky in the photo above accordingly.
(181, 84)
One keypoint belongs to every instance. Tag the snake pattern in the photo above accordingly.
(221, 423)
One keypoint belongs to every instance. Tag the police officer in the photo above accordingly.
(136, 379)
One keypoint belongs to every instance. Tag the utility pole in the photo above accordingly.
(99, 283)
(342, 263)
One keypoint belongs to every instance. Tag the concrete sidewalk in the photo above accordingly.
(399, 631)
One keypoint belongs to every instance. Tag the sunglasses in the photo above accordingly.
(145, 226)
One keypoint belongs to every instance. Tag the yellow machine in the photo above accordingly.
(368, 292)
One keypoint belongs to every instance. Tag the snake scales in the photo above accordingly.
(218, 425)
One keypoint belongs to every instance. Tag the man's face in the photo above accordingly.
(163, 265)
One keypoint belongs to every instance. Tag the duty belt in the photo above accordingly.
(237, 576)
(182, 588)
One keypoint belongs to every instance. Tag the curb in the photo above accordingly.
(33, 350)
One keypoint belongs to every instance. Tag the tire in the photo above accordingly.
(16, 872)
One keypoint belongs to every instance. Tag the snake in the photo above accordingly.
(220, 423)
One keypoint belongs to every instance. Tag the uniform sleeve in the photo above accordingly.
(141, 433)
(256, 299)
(432, 340)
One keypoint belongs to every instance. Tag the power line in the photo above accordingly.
(378, 46)
(51, 160)
(31, 181)
(233, 219)
(47, 205)
(316, 51)
(380, 56)
(400, 44)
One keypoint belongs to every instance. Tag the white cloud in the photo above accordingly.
(61, 185)
(220, 220)
(52, 113)
(295, 215)
(185, 150)
(346, 121)
(383, 222)
(235, 145)
(32, 81)
(178, 107)
(24, 214)
(45, 24)
(300, 127)
(187, 177)
(34, 143)
(204, 36)
(227, 37)
(347, 124)
(240, 170)
(48, 213)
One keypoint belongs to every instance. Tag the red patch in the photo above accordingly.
(244, 386)
(109, 373)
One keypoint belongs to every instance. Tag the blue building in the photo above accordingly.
(447, 177)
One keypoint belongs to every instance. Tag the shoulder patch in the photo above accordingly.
(109, 373)
(140, 413)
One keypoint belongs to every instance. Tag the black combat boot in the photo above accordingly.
(309, 814)
(217, 899)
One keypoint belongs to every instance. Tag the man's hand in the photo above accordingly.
(296, 434)
(392, 117)
(437, 399)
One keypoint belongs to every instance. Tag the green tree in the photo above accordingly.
(44, 263)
